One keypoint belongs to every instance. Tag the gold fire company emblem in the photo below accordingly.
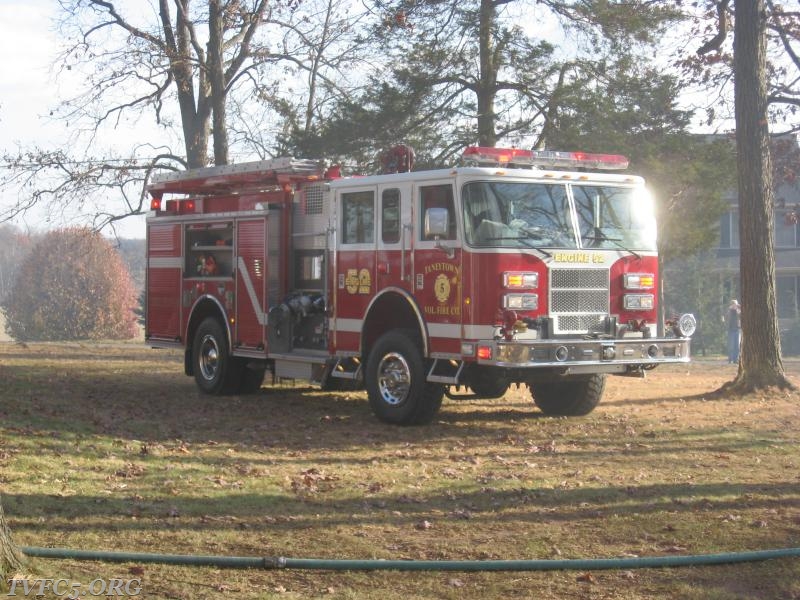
(441, 287)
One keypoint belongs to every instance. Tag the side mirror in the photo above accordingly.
(436, 222)
(437, 225)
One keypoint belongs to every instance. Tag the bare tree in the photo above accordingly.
(710, 69)
(761, 364)
(66, 183)
(328, 48)
(202, 68)
(194, 55)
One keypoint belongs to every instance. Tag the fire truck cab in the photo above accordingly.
(516, 267)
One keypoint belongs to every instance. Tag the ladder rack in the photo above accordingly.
(237, 177)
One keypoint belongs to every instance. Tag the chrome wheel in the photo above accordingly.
(215, 370)
(208, 358)
(394, 378)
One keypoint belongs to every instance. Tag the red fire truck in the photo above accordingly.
(535, 268)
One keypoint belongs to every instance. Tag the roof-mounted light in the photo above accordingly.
(487, 156)
(549, 158)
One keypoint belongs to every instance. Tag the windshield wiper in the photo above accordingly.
(519, 238)
(617, 242)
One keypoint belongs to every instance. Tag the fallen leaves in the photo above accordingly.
(312, 481)
(130, 470)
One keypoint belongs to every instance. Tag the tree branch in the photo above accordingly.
(715, 43)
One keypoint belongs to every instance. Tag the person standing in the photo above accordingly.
(734, 322)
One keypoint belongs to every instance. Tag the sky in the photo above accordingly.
(26, 86)
(29, 90)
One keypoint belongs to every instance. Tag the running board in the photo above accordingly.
(447, 371)
(347, 368)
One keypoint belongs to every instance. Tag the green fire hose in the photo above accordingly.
(321, 564)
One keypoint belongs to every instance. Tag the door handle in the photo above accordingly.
(406, 226)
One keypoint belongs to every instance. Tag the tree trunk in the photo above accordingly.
(217, 79)
(195, 113)
(10, 556)
(487, 135)
(760, 364)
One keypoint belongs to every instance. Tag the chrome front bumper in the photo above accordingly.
(601, 355)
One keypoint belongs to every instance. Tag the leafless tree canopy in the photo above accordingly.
(209, 73)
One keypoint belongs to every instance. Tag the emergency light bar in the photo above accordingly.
(485, 156)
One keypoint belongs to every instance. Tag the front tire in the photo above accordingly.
(216, 372)
(570, 398)
(395, 381)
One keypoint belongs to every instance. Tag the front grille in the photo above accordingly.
(578, 299)
(579, 323)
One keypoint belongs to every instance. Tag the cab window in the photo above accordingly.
(358, 218)
(390, 216)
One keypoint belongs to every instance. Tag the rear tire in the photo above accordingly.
(395, 381)
(569, 398)
(251, 379)
(489, 388)
(216, 372)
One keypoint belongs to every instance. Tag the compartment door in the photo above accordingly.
(249, 329)
(164, 269)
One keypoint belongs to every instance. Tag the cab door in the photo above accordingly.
(355, 263)
(395, 239)
(437, 277)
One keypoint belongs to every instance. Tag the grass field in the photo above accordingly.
(110, 447)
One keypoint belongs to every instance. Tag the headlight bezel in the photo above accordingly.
(638, 281)
(524, 302)
(639, 302)
(520, 280)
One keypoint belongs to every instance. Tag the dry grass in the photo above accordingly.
(109, 447)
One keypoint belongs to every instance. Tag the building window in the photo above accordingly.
(786, 291)
(729, 230)
(785, 231)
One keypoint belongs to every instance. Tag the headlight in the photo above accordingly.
(638, 302)
(520, 280)
(521, 301)
(685, 326)
(639, 281)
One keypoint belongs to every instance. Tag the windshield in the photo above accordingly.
(517, 215)
(524, 215)
(615, 217)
